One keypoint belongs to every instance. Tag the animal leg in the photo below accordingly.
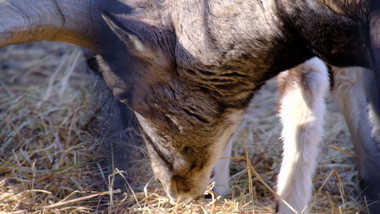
(221, 172)
(349, 93)
(302, 107)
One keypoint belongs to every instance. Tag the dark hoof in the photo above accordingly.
(371, 194)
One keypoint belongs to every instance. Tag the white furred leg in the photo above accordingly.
(302, 107)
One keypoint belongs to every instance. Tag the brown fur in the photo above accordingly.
(189, 68)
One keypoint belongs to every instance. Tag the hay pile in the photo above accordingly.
(59, 143)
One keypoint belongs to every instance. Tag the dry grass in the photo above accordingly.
(59, 138)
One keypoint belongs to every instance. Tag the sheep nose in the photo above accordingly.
(177, 189)
(180, 189)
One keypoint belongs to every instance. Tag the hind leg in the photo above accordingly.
(302, 107)
(349, 93)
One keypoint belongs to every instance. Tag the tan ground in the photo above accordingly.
(55, 147)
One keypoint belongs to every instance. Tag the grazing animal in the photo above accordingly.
(188, 69)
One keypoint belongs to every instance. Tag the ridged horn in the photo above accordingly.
(74, 21)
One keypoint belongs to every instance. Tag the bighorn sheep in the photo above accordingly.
(189, 68)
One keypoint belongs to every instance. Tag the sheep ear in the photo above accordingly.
(133, 34)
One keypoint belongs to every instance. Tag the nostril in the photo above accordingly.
(158, 180)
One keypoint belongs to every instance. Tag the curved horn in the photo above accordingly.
(73, 21)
